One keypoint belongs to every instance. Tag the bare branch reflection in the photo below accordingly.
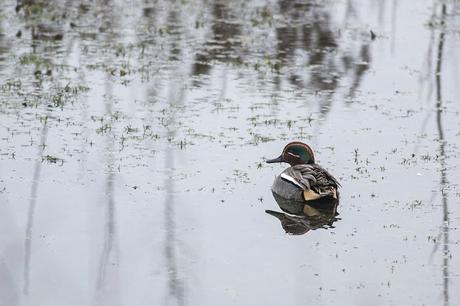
(175, 284)
(107, 289)
(442, 159)
(39, 33)
(32, 206)
(106, 283)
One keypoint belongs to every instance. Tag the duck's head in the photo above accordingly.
(295, 153)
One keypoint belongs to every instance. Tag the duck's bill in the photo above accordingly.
(276, 160)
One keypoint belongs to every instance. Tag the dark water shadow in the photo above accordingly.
(5, 45)
(306, 28)
(224, 43)
(328, 64)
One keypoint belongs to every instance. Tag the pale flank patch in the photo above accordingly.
(310, 195)
(334, 193)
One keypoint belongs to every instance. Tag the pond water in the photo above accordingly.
(134, 134)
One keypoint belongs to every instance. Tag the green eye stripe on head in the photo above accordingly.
(301, 152)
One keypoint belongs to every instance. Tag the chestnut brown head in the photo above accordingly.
(295, 153)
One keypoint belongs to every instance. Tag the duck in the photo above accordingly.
(305, 184)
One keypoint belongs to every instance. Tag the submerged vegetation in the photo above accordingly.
(158, 47)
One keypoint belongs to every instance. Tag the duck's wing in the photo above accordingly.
(310, 176)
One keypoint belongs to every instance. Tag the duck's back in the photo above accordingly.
(310, 176)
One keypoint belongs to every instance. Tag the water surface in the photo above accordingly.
(133, 137)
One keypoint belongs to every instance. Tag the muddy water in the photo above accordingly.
(133, 138)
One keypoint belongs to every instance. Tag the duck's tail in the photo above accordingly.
(312, 195)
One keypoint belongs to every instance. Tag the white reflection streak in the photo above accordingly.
(176, 98)
(175, 284)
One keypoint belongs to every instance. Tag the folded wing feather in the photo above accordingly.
(311, 177)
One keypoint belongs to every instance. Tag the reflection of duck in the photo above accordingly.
(304, 184)
(299, 225)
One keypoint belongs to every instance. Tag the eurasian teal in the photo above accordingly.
(304, 182)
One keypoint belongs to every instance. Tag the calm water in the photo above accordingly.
(133, 136)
